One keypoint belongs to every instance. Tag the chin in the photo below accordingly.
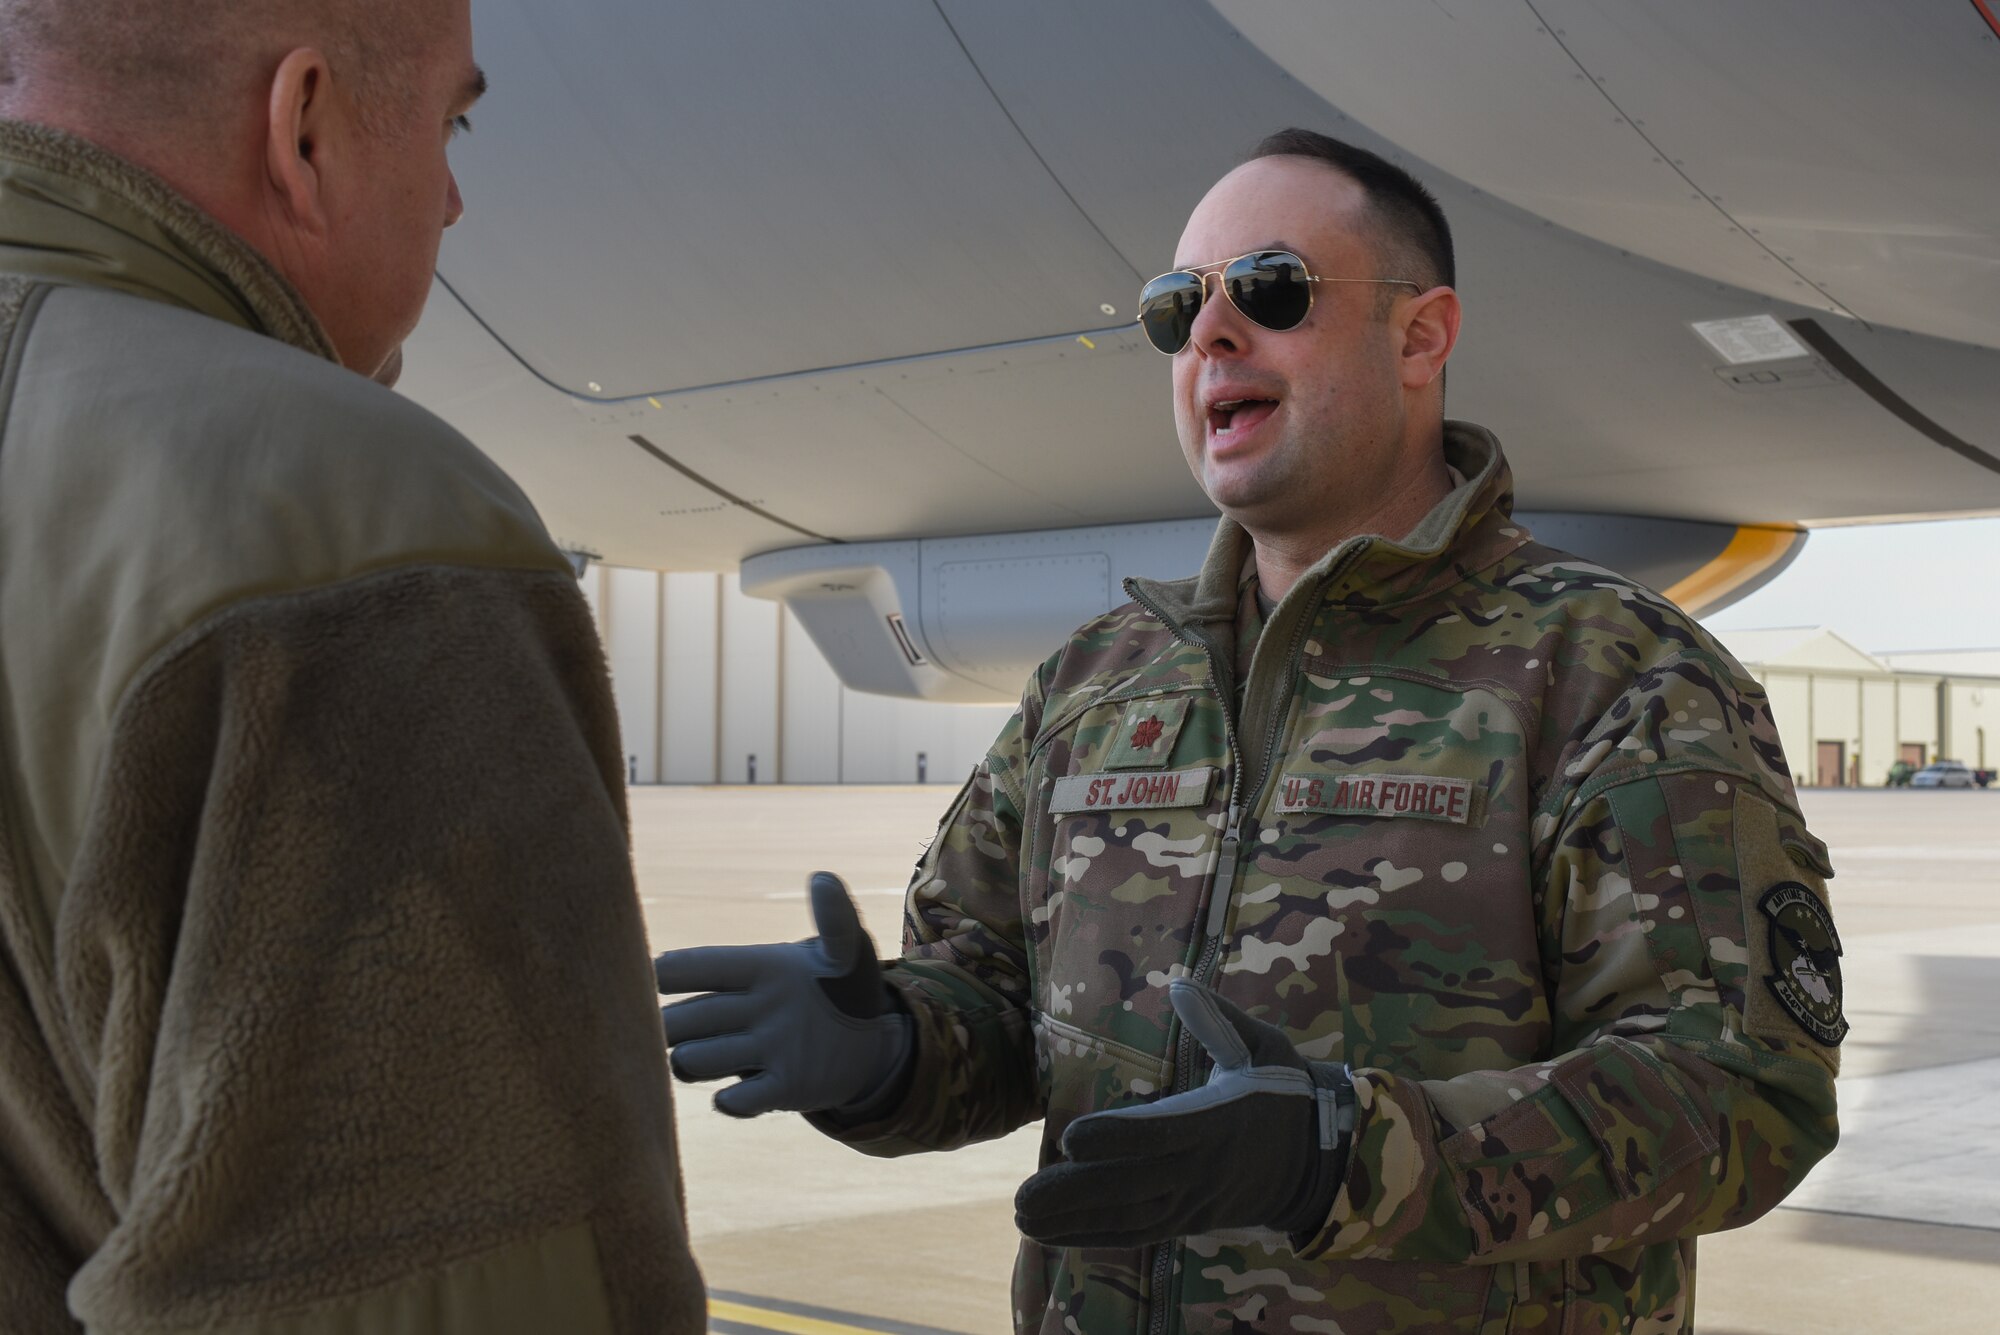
(391, 369)
(1240, 490)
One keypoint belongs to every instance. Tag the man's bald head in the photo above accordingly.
(147, 70)
(315, 130)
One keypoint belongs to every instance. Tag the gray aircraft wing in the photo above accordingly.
(842, 294)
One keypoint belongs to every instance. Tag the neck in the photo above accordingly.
(201, 163)
(1284, 556)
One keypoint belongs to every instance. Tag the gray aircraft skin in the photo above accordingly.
(842, 294)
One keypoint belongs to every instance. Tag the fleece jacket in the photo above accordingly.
(325, 1000)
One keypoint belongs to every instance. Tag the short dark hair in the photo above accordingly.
(1412, 228)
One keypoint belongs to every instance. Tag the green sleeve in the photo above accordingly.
(964, 972)
(1694, 982)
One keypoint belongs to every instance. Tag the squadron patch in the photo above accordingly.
(1805, 954)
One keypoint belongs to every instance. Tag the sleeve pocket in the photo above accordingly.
(1515, 1176)
(1645, 1127)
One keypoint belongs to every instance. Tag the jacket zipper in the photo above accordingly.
(1232, 838)
(1223, 889)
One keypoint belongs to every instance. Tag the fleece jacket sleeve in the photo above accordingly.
(353, 959)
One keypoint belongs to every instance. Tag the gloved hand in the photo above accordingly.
(1262, 1145)
(810, 1025)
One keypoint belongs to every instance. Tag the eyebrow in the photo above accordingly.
(1269, 245)
(475, 88)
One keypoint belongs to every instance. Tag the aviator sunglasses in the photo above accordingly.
(1270, 287)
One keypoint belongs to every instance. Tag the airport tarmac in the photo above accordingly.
(1898, 1229)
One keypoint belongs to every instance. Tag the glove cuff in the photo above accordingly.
(1333, 1124)
(887, 1093)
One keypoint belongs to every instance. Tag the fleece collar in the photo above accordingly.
(71, 212)
(1467, 531)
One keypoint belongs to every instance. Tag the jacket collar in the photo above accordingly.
(1467, 531)
(73, 213)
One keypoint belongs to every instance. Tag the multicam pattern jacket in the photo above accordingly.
(1506, 833)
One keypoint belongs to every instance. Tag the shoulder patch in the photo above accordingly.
(1791, 942)
(1805, 960)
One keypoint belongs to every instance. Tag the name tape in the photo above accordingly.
(1416, 795)
(1129, 792)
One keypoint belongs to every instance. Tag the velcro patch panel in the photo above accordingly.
(1421, 796)
(1131, 792)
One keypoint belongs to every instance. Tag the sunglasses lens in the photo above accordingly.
(1167, 307)
(1269, 287)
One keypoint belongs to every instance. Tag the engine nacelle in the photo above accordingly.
(966, 619)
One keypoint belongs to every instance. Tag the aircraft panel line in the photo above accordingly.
(1675, 167)
(730, 496)
(999, 102)
(1107, 332)
(1866, 381)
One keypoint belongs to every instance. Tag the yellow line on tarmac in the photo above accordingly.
(783, 1321)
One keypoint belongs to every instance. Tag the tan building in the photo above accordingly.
(715, 686)
(1846, 716)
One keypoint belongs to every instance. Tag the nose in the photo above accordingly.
(454, 203)
(1218, 326)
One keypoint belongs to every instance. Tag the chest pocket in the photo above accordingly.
(1128, 832)
(1387, 912)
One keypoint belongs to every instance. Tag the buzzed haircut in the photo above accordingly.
(1411, 228)
(176, 60)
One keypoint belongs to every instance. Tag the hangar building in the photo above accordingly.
(1846, 716)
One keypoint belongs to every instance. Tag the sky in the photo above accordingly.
(1885, 587)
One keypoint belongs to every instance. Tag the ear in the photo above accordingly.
(1430, 332)
(298, 125)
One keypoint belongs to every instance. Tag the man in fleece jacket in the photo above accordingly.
(324, 1002)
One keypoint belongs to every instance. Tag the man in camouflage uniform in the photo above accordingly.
(1487, 850)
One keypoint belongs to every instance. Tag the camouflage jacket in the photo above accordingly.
(1506, 833)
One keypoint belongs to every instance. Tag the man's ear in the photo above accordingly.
(1430, 332)
(298, 128)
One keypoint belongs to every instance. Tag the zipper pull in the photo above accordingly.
(1225, 873)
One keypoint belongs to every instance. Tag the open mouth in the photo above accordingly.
(1235, 415)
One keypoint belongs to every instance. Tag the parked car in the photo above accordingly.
(1943, 774)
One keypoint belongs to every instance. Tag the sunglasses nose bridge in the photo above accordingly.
(1225, 306)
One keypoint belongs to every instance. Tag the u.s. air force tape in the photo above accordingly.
(1422, 796)
(1131, 792)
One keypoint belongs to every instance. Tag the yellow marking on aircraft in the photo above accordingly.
(655, 402)
(787, 1322)
(1085, 340)
(1753, 550)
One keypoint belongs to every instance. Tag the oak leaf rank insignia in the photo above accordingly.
(1146, 731)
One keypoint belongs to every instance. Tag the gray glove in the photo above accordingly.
(1262, 1145)
(810, 1025)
